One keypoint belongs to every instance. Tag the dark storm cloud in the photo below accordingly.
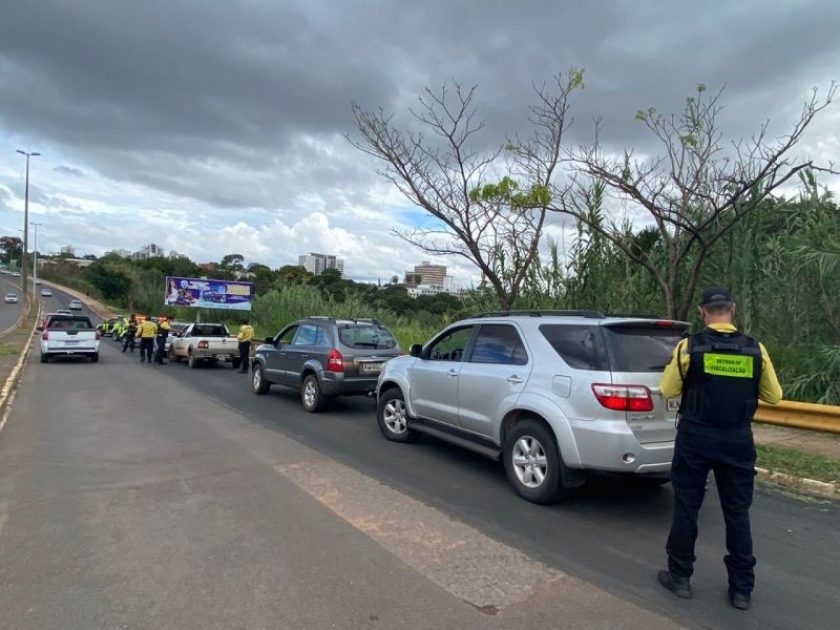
(69, 170)
(210, 98)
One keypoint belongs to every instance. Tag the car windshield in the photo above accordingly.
(360, 335)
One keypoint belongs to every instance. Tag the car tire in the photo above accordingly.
(392, 417)
(94, 358)
(259, 383)
(311, 396)
(236, 363)
(44, 358)
(533, 463)
(191, 360)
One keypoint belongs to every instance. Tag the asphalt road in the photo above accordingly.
(608, 534)
(9, 313)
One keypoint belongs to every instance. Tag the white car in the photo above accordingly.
(204, 343)
(46, 293)
(11, 298)
(16, 274)
(75, 305)
(67, 335)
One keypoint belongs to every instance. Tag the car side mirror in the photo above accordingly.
(416, 350)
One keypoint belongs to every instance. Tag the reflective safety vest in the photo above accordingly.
(720, 389)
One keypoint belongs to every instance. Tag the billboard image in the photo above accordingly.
(227, 295)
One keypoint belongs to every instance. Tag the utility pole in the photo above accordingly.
(35, 261)
(24, 266)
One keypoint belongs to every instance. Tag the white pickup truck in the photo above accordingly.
(204, 343)
(69, 335)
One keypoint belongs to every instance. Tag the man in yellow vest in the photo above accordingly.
(244, 336)
(160, 340)
(146, 332)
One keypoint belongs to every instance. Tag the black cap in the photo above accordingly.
(715, 296)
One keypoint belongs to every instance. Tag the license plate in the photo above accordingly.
(71, 343)
(673, 404)
(222, 357)
(371, 368)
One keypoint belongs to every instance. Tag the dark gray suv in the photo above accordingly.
(324, 357)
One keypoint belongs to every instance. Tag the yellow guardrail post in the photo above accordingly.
(800, 415)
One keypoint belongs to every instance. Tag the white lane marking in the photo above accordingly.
(471, 566)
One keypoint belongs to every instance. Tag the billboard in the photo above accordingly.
(227, 295)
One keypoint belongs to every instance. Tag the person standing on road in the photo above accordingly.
(721, 374)
(244, 336)
(129, 333)
(160, 340)
(147, 331)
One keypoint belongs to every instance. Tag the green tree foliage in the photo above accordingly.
(11, 247)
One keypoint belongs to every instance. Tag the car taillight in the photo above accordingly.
(623, 397)
(335, 362)
(203, 345)
(45, 336)
(98, 335)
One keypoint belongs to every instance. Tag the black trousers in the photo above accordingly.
(160, 348)
(244, 355)
(128, 342)
(731, 455)
(147, 345)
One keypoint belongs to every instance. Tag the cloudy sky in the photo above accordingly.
(211, 127)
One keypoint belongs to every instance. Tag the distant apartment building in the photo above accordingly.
(429, 279)
(149, 251)
(432, 275)
(122, 253)
(68, 250)
(317, 264)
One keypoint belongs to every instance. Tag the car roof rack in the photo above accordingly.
(638, 315)
(541, 313)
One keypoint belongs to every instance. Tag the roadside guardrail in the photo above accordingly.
(799, 415)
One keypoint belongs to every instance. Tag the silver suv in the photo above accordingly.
(551, 393)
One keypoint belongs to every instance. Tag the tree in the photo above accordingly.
(496, 224)
(233, 262)
(12, 247)
(693, 193)
(294, 274)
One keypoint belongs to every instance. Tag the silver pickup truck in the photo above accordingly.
(204, 343)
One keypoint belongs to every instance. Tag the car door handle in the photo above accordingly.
(514, 379)
(303, 356)
(452, 373)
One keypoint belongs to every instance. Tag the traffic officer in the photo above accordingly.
(129, 332)
(245, 335)
(160, 341)
(146, 331)
(721, 374)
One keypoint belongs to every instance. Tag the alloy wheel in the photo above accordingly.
(394, 414)
(529, 461)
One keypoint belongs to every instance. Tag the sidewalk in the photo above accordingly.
(813, 442)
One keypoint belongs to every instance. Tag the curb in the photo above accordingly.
(9, 387)
(808, 486)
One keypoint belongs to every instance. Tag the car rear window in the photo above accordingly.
(366, 336)
(209, 330)
(581, 347)
(69, 323)
(641, 349)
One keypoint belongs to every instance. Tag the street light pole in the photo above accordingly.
(35, 261)
(23, 261)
